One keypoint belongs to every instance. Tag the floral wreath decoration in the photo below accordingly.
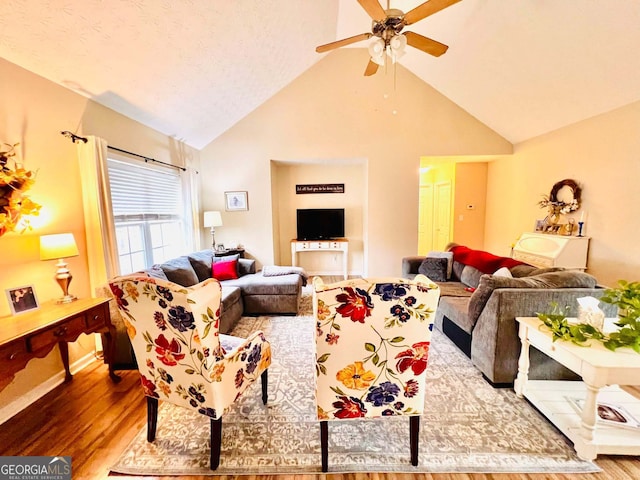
(14, 181)
(556, 206)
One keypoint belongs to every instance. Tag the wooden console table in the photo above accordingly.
(337, 245)
(34, 334)
(602, 372)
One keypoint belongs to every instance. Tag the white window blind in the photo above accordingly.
(148, 211)
(143, 191)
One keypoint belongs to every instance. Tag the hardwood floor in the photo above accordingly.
(93, 421)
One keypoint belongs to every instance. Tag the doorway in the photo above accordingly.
(436, 204)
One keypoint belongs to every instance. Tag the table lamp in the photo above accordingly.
(212, 219)
(60, 246)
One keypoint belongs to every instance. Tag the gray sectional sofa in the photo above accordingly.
(477, 310)
(273, 290)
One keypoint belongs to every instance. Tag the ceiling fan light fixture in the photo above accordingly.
(376, 50)
(396, 48)
(389, 42)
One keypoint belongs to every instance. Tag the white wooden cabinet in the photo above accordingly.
(547, 250)
(337, 245)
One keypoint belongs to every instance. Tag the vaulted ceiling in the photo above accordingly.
(193, 68)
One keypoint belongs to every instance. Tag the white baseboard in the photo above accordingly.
(332, 273)
(42, 389)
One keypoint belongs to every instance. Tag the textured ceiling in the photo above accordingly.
(193, 68)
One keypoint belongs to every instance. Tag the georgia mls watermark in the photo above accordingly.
(35, 468)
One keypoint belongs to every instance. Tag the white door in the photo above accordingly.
(425, 219)
(442, 215)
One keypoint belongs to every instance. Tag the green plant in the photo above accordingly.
(561, 329)
(627, 298)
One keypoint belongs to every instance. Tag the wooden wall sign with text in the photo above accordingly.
(320, 188)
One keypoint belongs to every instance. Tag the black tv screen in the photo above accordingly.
(320, 223)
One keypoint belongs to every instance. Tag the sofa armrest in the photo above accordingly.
(495, 344)
(410, 265)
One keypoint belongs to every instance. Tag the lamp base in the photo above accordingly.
(64, 277)
(67, 299)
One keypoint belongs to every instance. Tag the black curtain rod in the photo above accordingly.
(76, 138)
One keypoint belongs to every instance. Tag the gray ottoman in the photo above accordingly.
(269, 295)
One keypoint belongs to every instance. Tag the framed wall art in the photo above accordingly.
(22, 299)
(236, 201)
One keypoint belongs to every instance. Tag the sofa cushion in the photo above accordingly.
(560, 279)
(201, 262)
(257, 284)
(246, 266)
(455, 309)
(179, 270)
(470, 276)
(502, 272)
(525, 270)
(457, 268)
(229, 258)
(230, 295)
(226, 258)
(448, 256)
(156, 272)
(434, 268)
(225, 270)
(454, 289)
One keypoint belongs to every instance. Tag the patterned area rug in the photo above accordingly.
(468, 426)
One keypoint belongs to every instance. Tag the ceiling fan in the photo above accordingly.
(387, 25)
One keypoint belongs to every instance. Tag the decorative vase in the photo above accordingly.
(553, 218)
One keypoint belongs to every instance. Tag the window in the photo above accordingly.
(148, 211)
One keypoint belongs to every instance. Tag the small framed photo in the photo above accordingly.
(22, 299)
(539, 227)
(221, 247)
(236, 201)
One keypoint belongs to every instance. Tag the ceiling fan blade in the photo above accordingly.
(425, 44)
(372, 68)
(374, 9)
(426, 9)
(343, 42)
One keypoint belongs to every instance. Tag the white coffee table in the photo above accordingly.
(602, 372)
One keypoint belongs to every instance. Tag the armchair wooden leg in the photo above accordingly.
(414, 430)
(264, 379)
(216, 443)
(152, 418)
(324, 447)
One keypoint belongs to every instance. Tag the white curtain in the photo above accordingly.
(190, 160)
(192, 199)
(98, 217)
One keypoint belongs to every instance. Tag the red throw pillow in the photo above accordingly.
(225, 270)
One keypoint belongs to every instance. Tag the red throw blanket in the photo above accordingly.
(484, 261)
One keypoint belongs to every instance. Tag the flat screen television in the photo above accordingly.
(320, 223)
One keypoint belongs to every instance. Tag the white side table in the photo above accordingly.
(337, 245)
(602, 372)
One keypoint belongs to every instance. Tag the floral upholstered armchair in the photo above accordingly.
(181, 357)
(372, 345)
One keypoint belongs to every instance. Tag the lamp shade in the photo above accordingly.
(61, 245)
(212, 219)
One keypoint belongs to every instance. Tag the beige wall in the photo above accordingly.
(33, 112)
(333, 111)
(602, 155)
(471, 190)
(352, 173)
